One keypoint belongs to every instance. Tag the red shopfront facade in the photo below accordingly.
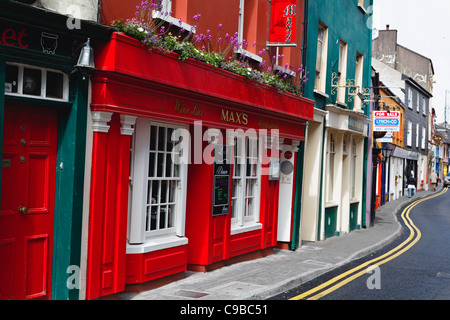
(151, 216)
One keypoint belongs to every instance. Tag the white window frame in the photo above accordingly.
(139, 239)
(417, 135)
(44, 71)
(410, 98)
(240, 220)
(321, 66)
(418, 101)
(423, 137)
(424, 105)
(359, 68)
(409, 134)
(342, 71)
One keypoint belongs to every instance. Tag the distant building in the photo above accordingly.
(409, 76)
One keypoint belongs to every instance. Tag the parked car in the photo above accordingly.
(447, 180)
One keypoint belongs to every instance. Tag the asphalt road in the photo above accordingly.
(416, 266)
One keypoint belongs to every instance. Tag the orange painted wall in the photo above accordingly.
(213, 13)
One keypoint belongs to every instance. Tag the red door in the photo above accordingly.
(27, 201)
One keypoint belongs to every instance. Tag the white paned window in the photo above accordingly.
(321, 59)
(409, 134)
(417, 135)
(418, 102)
(158, 183)
(424, 106)
(246, 176)
(409, 98)
(342, 71)
(423, 137)
(358, 78)
(35, 82)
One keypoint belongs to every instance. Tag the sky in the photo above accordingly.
(424, 27)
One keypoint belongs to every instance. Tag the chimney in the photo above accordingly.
(387, 27)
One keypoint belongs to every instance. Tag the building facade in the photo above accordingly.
(408, 71)
(159, 202)
(338, 51)
(43, 111)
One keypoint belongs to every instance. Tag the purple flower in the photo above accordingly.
(180, 22)
(219, 27)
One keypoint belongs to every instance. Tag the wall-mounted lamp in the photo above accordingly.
(86, 59)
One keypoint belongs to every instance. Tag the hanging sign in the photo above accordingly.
(221, 181)
(386, 121)
(282, 22)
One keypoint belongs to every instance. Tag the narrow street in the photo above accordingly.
(415, 266)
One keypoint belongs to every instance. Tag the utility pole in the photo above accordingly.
(445, 110)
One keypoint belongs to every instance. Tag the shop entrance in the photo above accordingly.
(27, 201)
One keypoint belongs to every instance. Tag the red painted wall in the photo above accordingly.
(124, 85)
(108, 212)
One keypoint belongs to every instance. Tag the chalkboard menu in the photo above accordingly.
(221, 180)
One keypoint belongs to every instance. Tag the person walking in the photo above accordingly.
(411, 184)
(433, 180)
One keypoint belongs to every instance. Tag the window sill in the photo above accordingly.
(323, 94)
(360, 7)
(330, 204)
(237, 229)
(248, 54)
(174, 21)
(155, 244)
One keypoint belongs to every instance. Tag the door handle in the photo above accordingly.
(23, 209)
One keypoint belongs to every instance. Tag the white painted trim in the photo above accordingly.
(86, 201)
(157, 243)
(126, 124)
(100, 120)
(246, 228)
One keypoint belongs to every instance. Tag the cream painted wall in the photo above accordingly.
(80, 9)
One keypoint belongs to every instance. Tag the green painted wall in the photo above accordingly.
(345, 21)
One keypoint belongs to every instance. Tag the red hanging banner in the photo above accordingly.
(282, 22)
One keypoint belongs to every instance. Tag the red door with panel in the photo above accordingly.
(27, 201)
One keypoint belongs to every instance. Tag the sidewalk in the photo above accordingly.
(283, 270)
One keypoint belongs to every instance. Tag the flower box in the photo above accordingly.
(129, 57)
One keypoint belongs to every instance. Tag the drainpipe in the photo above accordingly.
(305, 33)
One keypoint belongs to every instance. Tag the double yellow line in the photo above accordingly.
(352, 274)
